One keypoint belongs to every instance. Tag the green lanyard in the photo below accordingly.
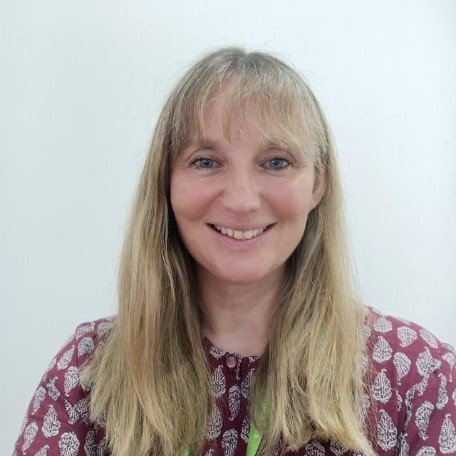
(254, 441)
(252, 447)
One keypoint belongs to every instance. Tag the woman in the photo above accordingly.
(238, 328)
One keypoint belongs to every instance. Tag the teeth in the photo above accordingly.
(248, 234)
(239, 235)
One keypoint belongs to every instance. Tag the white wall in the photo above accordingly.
(80, 87)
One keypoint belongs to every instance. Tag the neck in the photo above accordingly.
(237, 317)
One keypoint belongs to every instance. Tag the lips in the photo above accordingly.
(238, 234)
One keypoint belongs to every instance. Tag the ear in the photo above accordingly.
(319, 187)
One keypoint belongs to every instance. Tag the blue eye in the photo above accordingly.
(204, 163)
(277, 163)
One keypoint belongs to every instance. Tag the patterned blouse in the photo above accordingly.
(412, 389)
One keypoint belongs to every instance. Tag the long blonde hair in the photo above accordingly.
(150, 381)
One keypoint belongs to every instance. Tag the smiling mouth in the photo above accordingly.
(240, 235)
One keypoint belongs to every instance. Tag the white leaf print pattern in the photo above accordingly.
(51, 365)
(90, 447)
(219, 382)
(104, 327)
(314, 449)
(453, 396)
(443, 396)
(83, 409)
(71, 379)
(381, 388)
(402, 364)
(426, 451)
(43, 451)
(409, 395)
(40, 394)
(217, 353)
(406, 335)
(65, 359)
(398, 401)
(24, 423)
(84, 329)
(447, 437)
(68, 444)
(85, 346)
(247, 383)
(245, 429)
(421, 387)
(73, 414)
(79, 411)
(382, 350)
(89, 444)
(215, 423)
(386, 431)
(337, 448)
(383, 325)
(449, 348)
(451, 360)
(234, 401)
(422, 418)
(403, 446)
(29, 435)
(51, 423)
(429, 338)
(229, 442)
(210, 452)
(425, 363)
(52, 390)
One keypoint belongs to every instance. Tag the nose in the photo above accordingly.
(242, 192)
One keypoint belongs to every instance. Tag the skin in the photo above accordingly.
(241, 184)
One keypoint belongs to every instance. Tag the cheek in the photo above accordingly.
(188, 201)
(292, 200)
(181, 196)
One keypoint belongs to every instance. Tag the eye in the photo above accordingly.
(278, 163)
(204, 163)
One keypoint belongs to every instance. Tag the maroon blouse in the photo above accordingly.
(412, 389)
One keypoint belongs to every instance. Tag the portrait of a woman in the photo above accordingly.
(239, 330)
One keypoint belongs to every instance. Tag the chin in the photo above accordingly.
(244, 278)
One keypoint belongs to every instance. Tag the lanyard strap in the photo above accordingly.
(254, 440)
(252, 446)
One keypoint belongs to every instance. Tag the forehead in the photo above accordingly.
(236, 117)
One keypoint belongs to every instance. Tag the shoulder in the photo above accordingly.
(411, 385)
(80, 346)
(89, 336)
(401, 342)
(58, 415)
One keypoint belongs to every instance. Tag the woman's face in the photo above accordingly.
(241, 207)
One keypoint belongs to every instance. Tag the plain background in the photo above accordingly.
(81, 84)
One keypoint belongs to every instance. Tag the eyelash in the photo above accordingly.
(285, 163)
(198, 163)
